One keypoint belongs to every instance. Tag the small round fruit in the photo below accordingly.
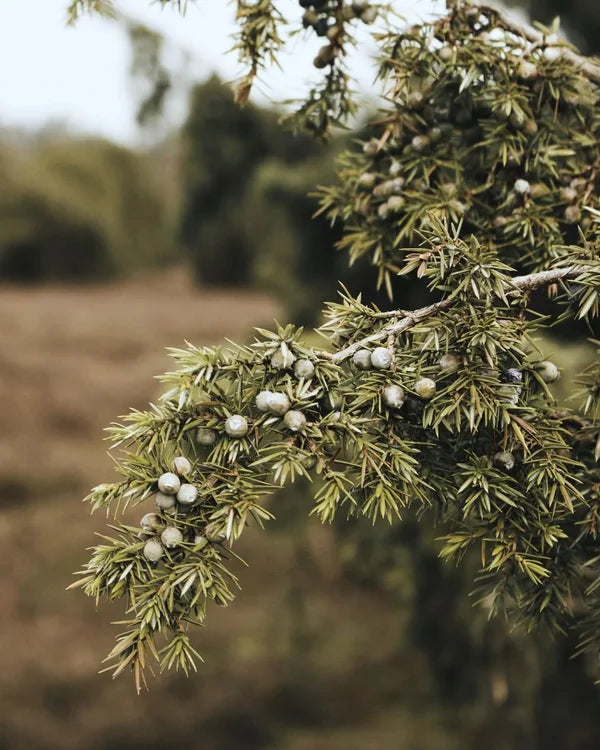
(548, 371)
(169, 483)
(262, 400)
(446, 53)
(369, 15)
(551, 54)
(205, 436)
(527, 70)
(522, 187)
(393, 396)
(236, 426)
(200, 541)
(397, 185)
(512, 375)
(187, 495)
(164, 502)
(149, 521)
(278, 403)
(414, 99)
(304, 368)
(420, 143)
(425, 388)
(171, 537)
(568, 195)
(572, 214)
(371, 148)
(396, 203)
(381, 358)
(321, 27)
(309, 461)
(367, 180)
(153, 550)
(504, 460)
(182, 467)
(449, 363)
(395, 169)
(310, 18)
(294, 420)
(362, 359)
(283, 358)
(383, 211)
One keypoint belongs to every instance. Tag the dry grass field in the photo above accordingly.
(303, 660)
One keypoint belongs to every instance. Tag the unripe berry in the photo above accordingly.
(262, 400)
(153, 550)
(446, 53)
(278, 403)
(182, 466)
(309, 462)
(383, 189)
(294, 420)
(371, 148)
(396, 203)
(304, 368)
(504, 460)
(310, 18)
(425, 388)
(367, 180)
(393, 396)
(200, 541)
(171, 537)
(530, 127)
(521, 187)
(164, 502)
(568, 195)
(435, 134)
(283, 358)
(236, 426)
(512, 375)
(548, 371)
(149, 521)
(572, 214)
(420, 143)
(187, 495)
(383, 211)
(449, 363)
(369, 15)
(169, 483)
(414, 99)
(205, 436)
(381, 358)
(527, 70)
(333, 32)
(397, 185)
(395, 169)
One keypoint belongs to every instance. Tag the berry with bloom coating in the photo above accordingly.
(449, 363)
(420, 143)
(395, 203)
(169, 483)
(527, 70)
(572, 214)
(304, 368)
(164, 502)
(393, 396)
(522, 187)
(236, 426)
(262, 400)
(446, 53)
(182, 466)
(362, 359)
(283, 358)
(278, 403)
(425, 388)
(200, 541)
(149, 521)
(187, 494)
(548, 371)
(395, 169)
(205, 436)
(153, 550)
(568, 195)
(504, 460)
(171, 537)
(294, 420)
(367, 180)
(370, 148)
(512, 375)
(381, 358)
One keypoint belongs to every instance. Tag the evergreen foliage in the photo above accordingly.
(480, 179)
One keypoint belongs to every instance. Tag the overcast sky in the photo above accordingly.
(78, 76)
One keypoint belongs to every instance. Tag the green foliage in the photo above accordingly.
(80, 209)
(445, 412)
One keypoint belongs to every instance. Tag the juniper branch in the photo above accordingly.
(528, 283)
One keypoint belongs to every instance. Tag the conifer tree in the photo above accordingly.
(479, 180)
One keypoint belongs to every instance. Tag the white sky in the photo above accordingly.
(78, 76)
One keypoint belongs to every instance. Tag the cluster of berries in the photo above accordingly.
(327, 20)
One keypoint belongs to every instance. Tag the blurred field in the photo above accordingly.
(303, 660)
